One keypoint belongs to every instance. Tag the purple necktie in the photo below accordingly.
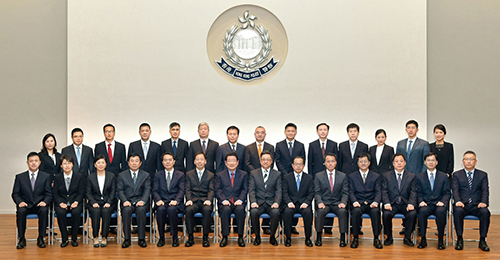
(204, 147)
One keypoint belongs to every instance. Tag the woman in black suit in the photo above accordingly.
(49, 156)
(443, 150)
(381, 154)
(101, 195)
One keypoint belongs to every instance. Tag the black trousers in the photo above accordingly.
(409, 223)
(439, 212)
(171, 211)
(205, 210)
(273, 213)
(97, 214)
(357, 219)
(140, 213)
(21, 214)
(225, 217)
(76, 221)
(483, 214)
(307, 217)
(341, 214)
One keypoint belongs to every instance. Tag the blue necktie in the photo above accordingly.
(409, 151)
(175, 148)
(78, 155)
(298, 182)
(431, 179)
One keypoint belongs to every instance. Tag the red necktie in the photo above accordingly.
(331, 182)
(232, 185)
(323, 149)
(110, 154)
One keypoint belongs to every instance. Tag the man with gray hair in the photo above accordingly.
(205, 145)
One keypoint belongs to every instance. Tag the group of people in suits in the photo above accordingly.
(176, 177)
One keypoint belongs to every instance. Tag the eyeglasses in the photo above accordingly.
(469, 159)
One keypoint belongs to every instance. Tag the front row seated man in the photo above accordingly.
(264, 189)
(231, 187)
(433, 198)
(133, 188)
(399, 195)
(331, 195)
(471, 195)
(168, 195)
(32, 194)
(365, 194)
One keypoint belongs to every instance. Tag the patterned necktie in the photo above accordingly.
(260, 149)
(204, 146)
(298, 182)
(409, 151)
(145, 150)
(469, 179)
(134, 177)
(168, 180)
(68, 183)
(78, 155)
(175, 147)
(353, 149)
(33, 181)
(110, 153)
(399, 186)
(331, 182)
(200, 175)
(364, 177)
(232, 185)
(232, 148)
(431, 179)
(290, 148)
(323, 149)
(265, 178)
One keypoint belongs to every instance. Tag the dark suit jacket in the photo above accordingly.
(260, 193)
(223, 150)
(76, 189)
(224, 190)
(480, 187)
(174, 192)
(127, 191)
(87, 159)
(119, 163)
(322, 189)
(441, 191)
(22, 191)
(196, 190)
(48, 166)
(415, 163)
(153, 163)
(94, 194)
(315, 159)
(346, 162)
(179, 156)
(369, 191)
(283, 159)
(305, 194)
(211, 150)
(385, 163)
(252, 160)
(390, 190)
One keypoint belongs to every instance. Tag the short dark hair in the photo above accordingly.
(470, 152)
(174, 124)
(298, 157)
(266, 152)
(320, 124)
(144, 124)
(440, 127)
(398, 154)
(45, 139)
(99, 157)
(380, 131)
(367, 155)
(106, 125)
(429, 155)
(233, 128)
(76, 130)
(198, 153)
(412, 122)
(66, 157)
(231, 154)
(291, 125)
(31, 154)
(352, 125)
(134, 155)
(167, 153)
(331, 154)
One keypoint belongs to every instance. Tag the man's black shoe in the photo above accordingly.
(142, 243)
(223, 242)
(408, 242)
(288, 242)
(40, 242)
(423, 243)
(160, 243)
(241, 242)
(21, 244)
(388, 241)
(126, 243)
(256, 241)
(377, 244)
(355, 243)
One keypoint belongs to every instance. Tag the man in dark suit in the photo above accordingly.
(168, 195)
(83, 155)
(253, 150)
(264, 189)
(350, 150)
(331, 194)
(149, 151)
(298, 193)
(288, 149)
(68, 194)
(32, 193)
(134, 188)
(205, 145)
(116, 160)
(318, 149)
(471, 197)
(365, 194)
(176, 146)
(413, 148)
(199, 196)
(399, 195)
(232, 145)
(231, 187)
(433, 198)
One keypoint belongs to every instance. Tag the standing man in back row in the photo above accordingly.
(319, 148)
(148, 150)
(232, 145)
(350, 150)
(176, 146)
(288, 149)
(205, 145)
(253, 150)
(83, 155)
(413, 148)
(113, 151)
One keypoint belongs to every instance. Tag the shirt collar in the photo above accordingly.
(70, 175)
(328, 172)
